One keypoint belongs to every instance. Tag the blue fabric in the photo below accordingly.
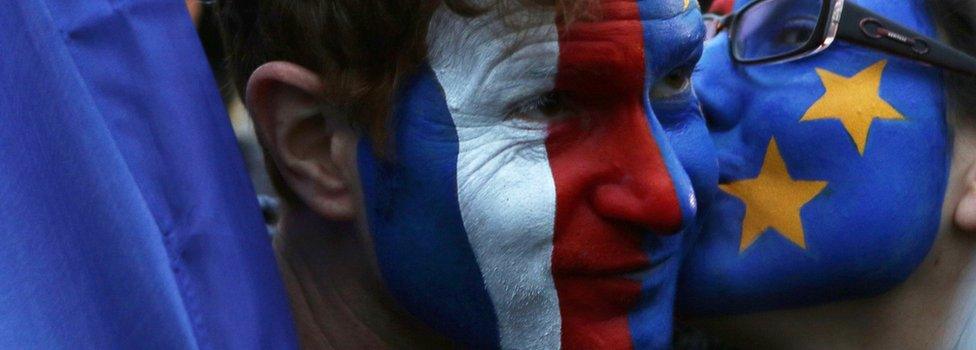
(129, 221)
(413, 211)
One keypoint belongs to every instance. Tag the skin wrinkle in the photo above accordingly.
(494, 89)
(511, 238)
(473, 33)
(496, 159)
(485, 81)
(511, 89)
(516, 40)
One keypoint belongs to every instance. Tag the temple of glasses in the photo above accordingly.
(775, 31)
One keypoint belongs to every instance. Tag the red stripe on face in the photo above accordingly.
(612, 185)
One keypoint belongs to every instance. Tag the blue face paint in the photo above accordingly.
(415, 220)
(817, 205)
(684, 128)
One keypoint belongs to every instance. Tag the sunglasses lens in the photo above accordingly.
(775, 28)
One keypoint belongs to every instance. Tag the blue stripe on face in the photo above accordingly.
(414, 216)
(687, 151)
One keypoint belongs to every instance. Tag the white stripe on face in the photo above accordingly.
(505, 185)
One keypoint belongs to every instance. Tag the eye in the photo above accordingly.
(673, 84)
(549, 106)
(795, 32)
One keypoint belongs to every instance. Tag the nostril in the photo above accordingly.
(654, 209)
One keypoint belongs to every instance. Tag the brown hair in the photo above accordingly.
(362, 48)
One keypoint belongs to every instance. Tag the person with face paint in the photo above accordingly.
(846, 216)
(486, 174)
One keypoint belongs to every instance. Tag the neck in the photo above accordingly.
(337, 296)
(933, 309)
(961, 326)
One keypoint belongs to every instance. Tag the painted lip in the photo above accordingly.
(636, 272)
(642, 275)
(651, 269)
(607, 273)
(631, 263)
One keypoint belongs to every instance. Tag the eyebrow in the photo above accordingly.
(684, 50)
(610, 68)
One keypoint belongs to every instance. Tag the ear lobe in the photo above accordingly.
(966, 210)
(310, 143)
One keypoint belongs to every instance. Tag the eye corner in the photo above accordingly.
(672, 85)
(548, 106)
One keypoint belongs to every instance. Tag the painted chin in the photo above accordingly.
(594, 276)
(601, 264)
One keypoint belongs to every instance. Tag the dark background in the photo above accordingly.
(705, 4)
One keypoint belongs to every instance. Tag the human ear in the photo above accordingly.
(966, 209)
(311, 144)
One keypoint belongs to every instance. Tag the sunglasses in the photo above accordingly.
(777, 31)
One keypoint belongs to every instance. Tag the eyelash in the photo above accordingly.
(532, 108)
(668, 91)
(540, 105)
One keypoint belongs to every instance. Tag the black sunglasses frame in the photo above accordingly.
(861, 26)
(820, 34)
(853, 23)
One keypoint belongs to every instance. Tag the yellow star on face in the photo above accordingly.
(855, 101)
(773, 200)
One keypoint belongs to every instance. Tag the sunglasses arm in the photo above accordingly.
(866, 28)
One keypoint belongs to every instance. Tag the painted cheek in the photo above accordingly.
(718, 86)
(607, 196)
(612, 184)
(864, 124)
(614, 169)
(606, 161)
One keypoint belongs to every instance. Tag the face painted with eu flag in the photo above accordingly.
(832, 168)
(534, 198)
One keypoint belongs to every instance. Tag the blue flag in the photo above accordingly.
(128, 220)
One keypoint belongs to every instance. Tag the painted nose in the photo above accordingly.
(647, 187)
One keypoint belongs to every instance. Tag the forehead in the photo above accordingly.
(895, 10)
(514, 31)
(508, 18)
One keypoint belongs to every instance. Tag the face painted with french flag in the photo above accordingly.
(542, 174)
